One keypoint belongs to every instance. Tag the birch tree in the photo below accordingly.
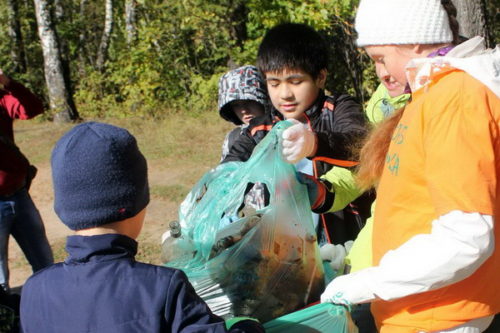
(471, 16)
(82, 40)
(102, 52)
(60, 16)
(130, 20)
(17, 49)
(61, 102)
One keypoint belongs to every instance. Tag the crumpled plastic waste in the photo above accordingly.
(255, 249)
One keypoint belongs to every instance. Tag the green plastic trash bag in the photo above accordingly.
(325, 317)
(258, 257)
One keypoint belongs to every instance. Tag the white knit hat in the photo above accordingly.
(386, 22)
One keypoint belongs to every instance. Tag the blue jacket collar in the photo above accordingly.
(83, 249)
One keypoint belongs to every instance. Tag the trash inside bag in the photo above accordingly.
(325, 317)
(253, 245)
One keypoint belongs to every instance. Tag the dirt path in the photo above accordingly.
(159, 213)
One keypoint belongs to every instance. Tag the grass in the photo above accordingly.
(188, 145)
(59, 250)
(179, 139)
(175, 192)
(148, 252)
(36, 139)
(184, 147)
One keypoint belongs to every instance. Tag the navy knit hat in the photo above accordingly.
(99, 176)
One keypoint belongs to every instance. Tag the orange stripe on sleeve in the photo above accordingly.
(260, 128)
(329, 106)
(333, 161)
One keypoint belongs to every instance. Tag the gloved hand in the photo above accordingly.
(298, 142)
(316, 190)
(348, 245)
(350, 289)
(334, 255)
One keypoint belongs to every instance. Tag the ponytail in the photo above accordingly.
(372, 155)
(451, 10)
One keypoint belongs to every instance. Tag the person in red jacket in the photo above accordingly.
(18, 214)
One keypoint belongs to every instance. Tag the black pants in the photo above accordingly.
(362, 317)
(495, 325)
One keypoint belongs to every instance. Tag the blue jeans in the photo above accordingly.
(20, 217)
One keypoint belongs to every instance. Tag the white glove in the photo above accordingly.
(350, 289)
(298, 142)
(348, 245)
(334, 254)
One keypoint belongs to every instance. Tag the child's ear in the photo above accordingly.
(321, 79)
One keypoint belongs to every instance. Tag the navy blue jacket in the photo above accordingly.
(101, 288)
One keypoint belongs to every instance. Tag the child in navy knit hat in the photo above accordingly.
(101, 192)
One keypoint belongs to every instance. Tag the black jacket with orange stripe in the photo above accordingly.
(339, 123)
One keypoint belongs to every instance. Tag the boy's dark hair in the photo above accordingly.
(293, 46)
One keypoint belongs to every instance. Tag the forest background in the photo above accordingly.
(150, 58)
(152, 66)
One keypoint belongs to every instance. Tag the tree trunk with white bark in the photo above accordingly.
(130, 20)
(102, 52)
(471, 16)
(61, 102)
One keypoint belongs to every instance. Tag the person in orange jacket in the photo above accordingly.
(437, 171)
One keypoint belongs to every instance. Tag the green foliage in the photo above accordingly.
(205, 93)
(33, 75)
(182, 48)
(169, 67)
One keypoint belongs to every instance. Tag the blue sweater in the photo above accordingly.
(101, 288)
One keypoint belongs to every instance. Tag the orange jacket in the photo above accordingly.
(444, 156)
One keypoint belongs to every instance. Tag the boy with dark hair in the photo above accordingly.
(101, 192)
(293, 58)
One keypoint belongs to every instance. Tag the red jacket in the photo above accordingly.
(16, 102)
